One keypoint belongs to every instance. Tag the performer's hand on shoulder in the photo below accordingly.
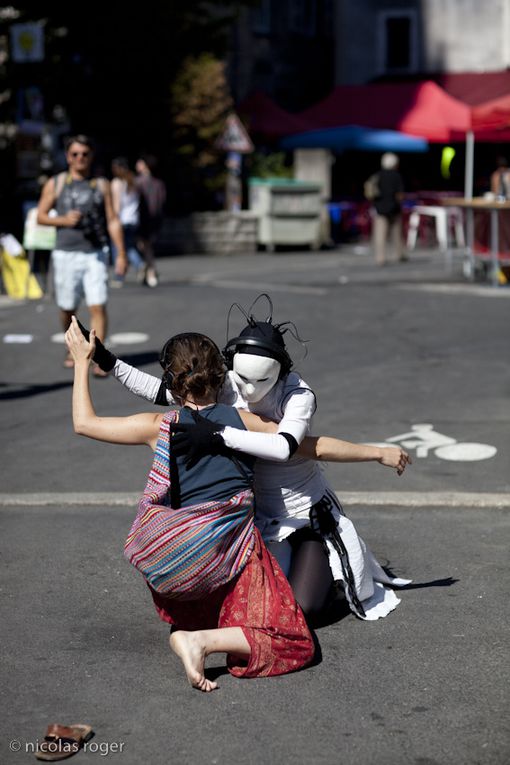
(194, 441)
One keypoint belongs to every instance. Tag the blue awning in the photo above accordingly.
(354, 137)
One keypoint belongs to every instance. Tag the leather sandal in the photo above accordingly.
(62, 741)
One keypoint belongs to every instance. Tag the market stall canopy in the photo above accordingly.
(263, 117)
(421, 109)
(474, 88)
(357, 138)
(492, 119)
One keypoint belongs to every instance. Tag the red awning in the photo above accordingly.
(264, 117)
(422, 109)
(417, 108)
(493, 116)
(475, 88)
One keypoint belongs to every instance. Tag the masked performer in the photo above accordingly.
(297, 512)
(194, 537)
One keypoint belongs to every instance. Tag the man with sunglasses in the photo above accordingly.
(85, 217)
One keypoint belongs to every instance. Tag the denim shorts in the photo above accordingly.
(79, 274)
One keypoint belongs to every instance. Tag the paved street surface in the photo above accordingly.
(389, 349)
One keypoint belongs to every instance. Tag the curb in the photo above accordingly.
(347, 498)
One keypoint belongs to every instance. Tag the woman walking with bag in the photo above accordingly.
(209, 572)
(126, 203)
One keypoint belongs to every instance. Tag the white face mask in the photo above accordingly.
(255, 375)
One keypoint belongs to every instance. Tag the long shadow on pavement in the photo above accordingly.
(447, 582)
(27, 391)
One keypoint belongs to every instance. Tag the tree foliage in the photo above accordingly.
(201, 101)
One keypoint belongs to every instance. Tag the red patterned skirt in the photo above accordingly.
(261, 602)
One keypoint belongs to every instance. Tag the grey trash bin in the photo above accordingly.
(289, 211)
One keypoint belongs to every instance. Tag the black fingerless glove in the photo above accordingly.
(102, 356)
(194, 441)
(161, 399)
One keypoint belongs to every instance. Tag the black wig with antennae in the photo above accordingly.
(261, 338)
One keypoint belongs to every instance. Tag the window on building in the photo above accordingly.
(303, 17)
(398, 41)
(261, 17)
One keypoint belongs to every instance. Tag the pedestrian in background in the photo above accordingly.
(126, 203)
(85, 216)
(387, 198)
(152, 202)
(500, 179)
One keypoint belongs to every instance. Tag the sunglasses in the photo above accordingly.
(80, 153)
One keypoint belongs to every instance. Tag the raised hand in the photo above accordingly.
(102, 356)
(80, 348)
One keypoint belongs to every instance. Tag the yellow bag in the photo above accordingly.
(18, 281)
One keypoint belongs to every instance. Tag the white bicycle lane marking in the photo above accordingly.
(424, 439)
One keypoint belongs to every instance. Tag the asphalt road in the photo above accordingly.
(388, 349)
(428, 684)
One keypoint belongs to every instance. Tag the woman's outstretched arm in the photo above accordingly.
(327, 449)
(136, 429)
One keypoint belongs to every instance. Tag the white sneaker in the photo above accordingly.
(151, 279)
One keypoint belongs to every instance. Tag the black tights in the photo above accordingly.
(310, 575)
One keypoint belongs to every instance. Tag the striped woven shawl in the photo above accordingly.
(187, 553)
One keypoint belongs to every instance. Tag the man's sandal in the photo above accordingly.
(62, 741)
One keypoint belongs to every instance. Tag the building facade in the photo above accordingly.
(393, 38)
(284, 48)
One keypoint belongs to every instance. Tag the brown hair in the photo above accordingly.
(192, 364)
(85, 140)
(126, 174)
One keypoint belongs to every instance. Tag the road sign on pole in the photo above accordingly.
(235, 137)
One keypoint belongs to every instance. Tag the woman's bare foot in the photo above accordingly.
(190, 648)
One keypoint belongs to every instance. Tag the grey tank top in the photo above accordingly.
(90, 233)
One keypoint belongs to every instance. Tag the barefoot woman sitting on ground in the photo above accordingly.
(208, 570)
